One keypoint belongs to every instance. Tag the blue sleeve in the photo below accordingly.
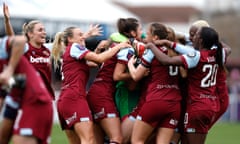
(187, 40)
(183, 49)
(192, 59)
(125, 54)
(26, 47)
(3, 48)
(148, 55)
(77, 51)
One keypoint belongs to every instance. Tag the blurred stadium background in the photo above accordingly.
(223, 15)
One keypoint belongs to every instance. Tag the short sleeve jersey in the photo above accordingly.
(202, 79)
(162, 80)
(35, 90)
(105, 72)
(124, 55)
(40, 59)
(75, 70)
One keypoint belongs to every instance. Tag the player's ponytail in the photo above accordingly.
(57, 49)
(210, 40)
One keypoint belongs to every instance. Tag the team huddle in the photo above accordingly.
(161, 87)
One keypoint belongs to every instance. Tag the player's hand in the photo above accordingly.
(5, 76)
(6, 12)
(124, 45)
(94, 30)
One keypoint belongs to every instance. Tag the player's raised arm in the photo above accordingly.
(7, 23)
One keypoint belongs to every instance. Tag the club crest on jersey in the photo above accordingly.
(191, 54)
(33, 52)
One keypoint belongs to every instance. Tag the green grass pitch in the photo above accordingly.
(221, 133)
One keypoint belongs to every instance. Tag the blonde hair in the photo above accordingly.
(171, 34)
(59, 44)
(68, 32)
(57, 48)
(28, 27)
(200, 23)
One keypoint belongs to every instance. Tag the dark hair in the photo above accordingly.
(159, 29)
(210, 39)
(126, 25)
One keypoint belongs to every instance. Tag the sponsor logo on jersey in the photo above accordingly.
(46, 53)
(208, 96)
(159, 86)
(39, 60)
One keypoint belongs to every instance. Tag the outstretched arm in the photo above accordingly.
(101, 57)
(163, 58)
(101, 47)
(7, 23)
(182, 49)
